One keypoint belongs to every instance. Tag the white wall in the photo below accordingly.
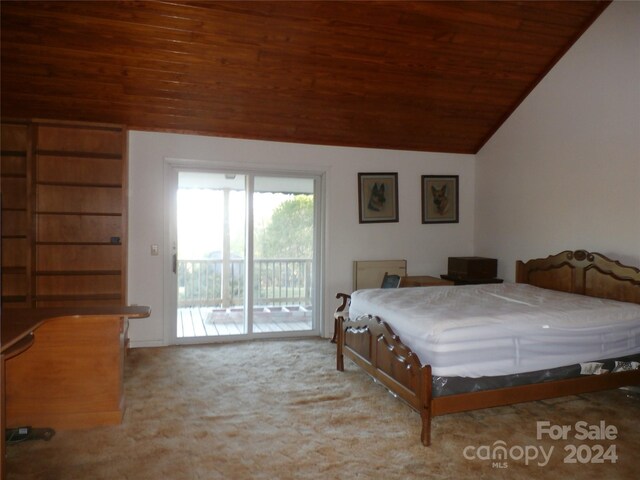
(425, 247)
(564, 171)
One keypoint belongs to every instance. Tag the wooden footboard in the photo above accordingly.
(372, 345)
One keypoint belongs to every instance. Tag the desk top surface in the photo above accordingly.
(17, 323)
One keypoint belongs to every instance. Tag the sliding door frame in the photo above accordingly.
(172, 168)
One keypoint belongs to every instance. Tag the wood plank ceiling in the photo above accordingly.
(432, 76)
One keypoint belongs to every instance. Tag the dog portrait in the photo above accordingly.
(378, 197)
(440, 199)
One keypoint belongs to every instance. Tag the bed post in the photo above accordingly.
(339, 346)
(338, 329)
(521, 274)
(345, 299)
(425, 409)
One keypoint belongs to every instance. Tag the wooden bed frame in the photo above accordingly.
(372, 344)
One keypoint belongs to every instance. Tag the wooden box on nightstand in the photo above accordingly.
(472, 270)
(423, 281)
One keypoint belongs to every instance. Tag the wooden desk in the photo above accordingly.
(63, 367)
(423, 281)
(18, 323)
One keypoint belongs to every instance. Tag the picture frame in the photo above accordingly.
(440, 199)
(378, 197)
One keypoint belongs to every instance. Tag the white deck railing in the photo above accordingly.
(219, 283)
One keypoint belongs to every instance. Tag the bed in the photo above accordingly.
(525, 365)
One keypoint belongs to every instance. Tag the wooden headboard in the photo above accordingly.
(582, 272)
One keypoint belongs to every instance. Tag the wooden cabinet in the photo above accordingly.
(85, 386)
(67, 206)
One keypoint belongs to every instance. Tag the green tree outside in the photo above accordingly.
(290, 232)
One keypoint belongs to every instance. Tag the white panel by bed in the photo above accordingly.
(369, 273)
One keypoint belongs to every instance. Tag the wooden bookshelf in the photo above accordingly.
(16, 214)
(64, 190)
(80, 214)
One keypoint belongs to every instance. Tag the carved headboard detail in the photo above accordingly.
(582, 272)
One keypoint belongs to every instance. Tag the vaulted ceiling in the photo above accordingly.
(432, 76)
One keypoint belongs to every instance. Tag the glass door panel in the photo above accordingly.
(246, 255)
(211, 254)
(283, 253)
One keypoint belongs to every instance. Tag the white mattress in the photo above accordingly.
(502, 329)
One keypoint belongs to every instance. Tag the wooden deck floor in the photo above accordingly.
(209, 321)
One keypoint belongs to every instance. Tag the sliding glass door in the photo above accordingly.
(246, 262)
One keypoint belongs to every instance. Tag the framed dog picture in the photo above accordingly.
(378, 197)
(440, 199)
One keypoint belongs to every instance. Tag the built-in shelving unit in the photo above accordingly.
(79, 214)
(16, 214)
(64, 214)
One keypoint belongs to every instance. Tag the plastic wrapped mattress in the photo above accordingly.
(502, 329)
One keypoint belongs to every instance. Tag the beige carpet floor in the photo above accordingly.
(280, 410)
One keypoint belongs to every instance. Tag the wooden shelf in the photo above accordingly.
(13, 153)
(78, 297)
(68, 153)
(14, 209)
(14, 175)
(97, 214)
(13, 299)
(14, 270)
(78, 272)
(75, 184)
(104, 244)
